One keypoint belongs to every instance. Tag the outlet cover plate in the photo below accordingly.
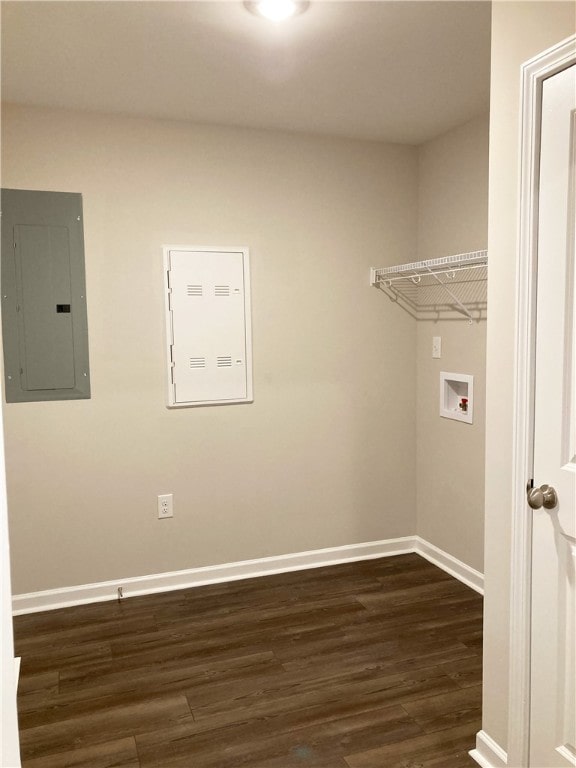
(165, 506)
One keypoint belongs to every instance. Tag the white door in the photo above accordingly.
(553, 649)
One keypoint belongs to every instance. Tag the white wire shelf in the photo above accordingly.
(446, 288)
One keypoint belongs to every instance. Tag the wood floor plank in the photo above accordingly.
(76, 682)
(467, 671)
(472, 640)
(445, 702)
(375, 663)
(121, 753)
(452, 744)
(102, 631)
(140, 686)
(113, 723)
(183, 654)
(361, 692)
(297, 758)
(413, 594)
(351, 654)
(430, 629)
(52, 657)
(441, 722)
(261, 742)
(40, 682)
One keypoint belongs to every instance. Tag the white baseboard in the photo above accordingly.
(464, 573)
(211, 574)
(246, 569)
(488, 753)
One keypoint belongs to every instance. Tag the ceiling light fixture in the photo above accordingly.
(277, 10)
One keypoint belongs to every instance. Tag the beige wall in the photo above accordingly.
(332, 427)
(520, 30)
(452, 218)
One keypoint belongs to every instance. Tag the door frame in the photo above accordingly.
(9, 743)
(533, 74)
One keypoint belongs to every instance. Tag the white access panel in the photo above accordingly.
(208, 325)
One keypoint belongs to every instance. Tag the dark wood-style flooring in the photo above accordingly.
(375, 664)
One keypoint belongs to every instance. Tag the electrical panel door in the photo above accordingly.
(208, 326)
(44, 296)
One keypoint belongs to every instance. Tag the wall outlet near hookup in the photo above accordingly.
(165, 506)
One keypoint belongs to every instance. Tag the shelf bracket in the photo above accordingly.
(452, 296)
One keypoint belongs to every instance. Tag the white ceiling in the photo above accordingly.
(402, 71)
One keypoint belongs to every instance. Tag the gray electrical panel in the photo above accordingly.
(44, 322)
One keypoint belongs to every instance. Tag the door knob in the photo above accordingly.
(545, 496)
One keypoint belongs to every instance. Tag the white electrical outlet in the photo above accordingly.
(436, 346)
(165, 506)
